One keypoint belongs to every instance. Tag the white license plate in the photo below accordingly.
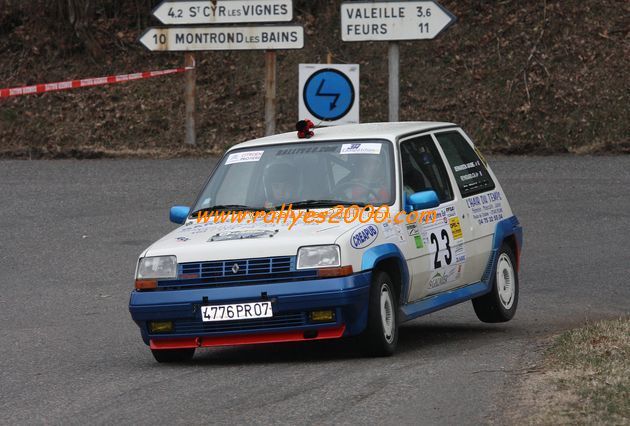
(236, 312)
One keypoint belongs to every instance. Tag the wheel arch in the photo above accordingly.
(509, 231)
(389, 258)
(510, 240)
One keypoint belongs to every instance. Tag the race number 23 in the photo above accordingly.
(443, 242)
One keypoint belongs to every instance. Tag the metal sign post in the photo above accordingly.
(270, 92)
(393, 21)
(393, 55)
(189, 97)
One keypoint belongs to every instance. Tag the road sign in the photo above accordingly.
(389, 21)
(270, 37)
(223, 11)
(329, 93)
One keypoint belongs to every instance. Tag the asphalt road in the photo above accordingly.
(70, 233)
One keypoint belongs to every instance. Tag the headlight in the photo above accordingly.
(157, 267)
(318, 257)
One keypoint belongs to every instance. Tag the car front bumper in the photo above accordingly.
(291, 302)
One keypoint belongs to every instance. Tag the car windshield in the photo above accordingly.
(311, 174)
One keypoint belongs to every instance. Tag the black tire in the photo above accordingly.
(173, 355)
(377, 341)
(500, 304)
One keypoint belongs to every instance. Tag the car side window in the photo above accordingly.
(471, 175)
(423, 169)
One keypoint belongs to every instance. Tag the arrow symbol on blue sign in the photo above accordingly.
(333, 104)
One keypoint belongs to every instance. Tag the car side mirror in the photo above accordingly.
(179, 214)
(424, 200)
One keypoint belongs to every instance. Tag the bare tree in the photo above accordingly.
(81, 15)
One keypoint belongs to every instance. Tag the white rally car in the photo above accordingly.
(217, 282)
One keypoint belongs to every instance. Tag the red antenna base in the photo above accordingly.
(303, 128)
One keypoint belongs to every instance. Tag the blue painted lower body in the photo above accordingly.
(443, 300)
(291, 303)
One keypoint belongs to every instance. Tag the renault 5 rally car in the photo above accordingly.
(221, 281)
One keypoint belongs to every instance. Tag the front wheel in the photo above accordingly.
(500, 304)
(381, 335)
(173, 355)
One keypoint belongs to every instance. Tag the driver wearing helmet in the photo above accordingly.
(367, 182)
(280, 183)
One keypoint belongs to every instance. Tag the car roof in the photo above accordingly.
(388, 131)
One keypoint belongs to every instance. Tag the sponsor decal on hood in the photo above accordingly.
(243, 234)
(364, 236)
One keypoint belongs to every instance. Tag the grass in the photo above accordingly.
(587, 376)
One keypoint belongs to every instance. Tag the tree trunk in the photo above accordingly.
(80, 16)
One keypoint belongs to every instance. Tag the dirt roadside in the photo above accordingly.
(581, 377)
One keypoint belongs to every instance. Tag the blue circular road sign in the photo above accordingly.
(328, 94)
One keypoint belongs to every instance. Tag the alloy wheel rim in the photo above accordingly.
(387, 313)
(506, 282)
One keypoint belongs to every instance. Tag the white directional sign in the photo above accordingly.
(271, 37)
(388, 21)
(223, 11)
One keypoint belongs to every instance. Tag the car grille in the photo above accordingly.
(238, 272)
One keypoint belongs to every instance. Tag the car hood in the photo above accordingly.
(197, 242)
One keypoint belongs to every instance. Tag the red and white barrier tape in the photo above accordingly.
(88, 82)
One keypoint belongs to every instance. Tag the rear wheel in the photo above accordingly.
(500, 304)
(381, 336)
(173, 355)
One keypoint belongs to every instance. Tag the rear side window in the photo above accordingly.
(471, 175)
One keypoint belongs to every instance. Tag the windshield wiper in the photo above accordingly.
(223, 207)
(321, 203)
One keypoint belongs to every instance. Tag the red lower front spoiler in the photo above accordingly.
(250, 339)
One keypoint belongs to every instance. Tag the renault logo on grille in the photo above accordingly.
(235, 268)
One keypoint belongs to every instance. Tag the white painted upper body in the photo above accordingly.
(451, 252)
(389, 131)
